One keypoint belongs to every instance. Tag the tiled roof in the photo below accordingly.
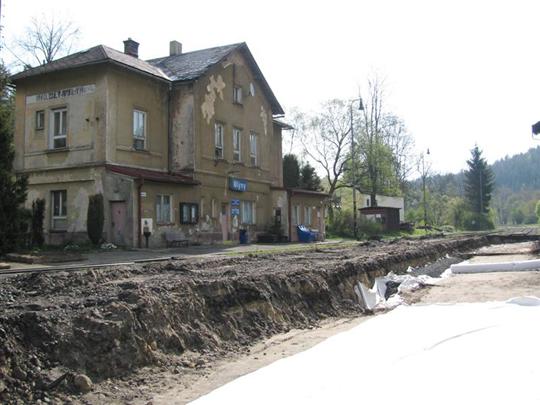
(191, 65)
(183, 67)
(97, 54)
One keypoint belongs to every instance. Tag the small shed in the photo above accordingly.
(388, 217)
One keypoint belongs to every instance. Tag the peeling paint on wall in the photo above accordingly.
(77, 218)
(214, 88)
(264, 118)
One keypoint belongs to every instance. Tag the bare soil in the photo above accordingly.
(140, 332)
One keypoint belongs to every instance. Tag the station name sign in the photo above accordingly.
(63, 93)
(237, 184)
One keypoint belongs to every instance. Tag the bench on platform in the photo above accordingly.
(176, 239)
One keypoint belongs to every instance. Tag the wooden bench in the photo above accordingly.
(176, 239)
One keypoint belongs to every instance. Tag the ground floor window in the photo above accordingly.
(295, 214)
(248, 212)
(59, 209)
(307, 216)
(189, 213)
(163, 209)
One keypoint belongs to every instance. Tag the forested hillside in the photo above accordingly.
(517, 190)
(519, 172)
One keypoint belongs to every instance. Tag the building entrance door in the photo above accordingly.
(224, 219)
(118, 222)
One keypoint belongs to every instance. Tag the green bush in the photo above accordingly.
(367, 228)
(38, 213)
(477, 222)
(95, 218)
(341, 224)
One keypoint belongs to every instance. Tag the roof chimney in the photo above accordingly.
(131, 47)
(175, 48)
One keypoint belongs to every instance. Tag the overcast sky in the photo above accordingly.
(458, 72)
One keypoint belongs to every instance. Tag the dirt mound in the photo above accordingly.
(110, 322)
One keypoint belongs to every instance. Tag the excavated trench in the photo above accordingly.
(108, 323)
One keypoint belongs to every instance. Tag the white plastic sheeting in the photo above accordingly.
(484, 353)
(372, 298)
(522, 265)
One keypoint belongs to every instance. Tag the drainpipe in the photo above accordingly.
(289, 213)
(169, 130)
(139, 209)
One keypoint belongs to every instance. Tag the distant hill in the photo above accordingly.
(517, 190)
(519, 172)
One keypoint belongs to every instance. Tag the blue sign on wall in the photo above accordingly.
(235, 202)
(237, 184)
(235, 211)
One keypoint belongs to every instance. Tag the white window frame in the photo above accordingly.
(295, 214)
(136, 135)
(307, 216)
(253, 158)
(61, 113)
(40, 120)
(62, 209)
(160, 219)
(237, 94)
(219, 129)
(237, 145)
(247, 212)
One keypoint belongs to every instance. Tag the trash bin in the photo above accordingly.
(243, 237)
(304, 234)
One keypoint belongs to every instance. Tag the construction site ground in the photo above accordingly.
(170, 331)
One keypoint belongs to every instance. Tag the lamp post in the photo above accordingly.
(353, 165)
(424, 175)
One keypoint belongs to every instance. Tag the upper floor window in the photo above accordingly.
(139, 130)
(237, 95)
(59, 210)
(58, 135)
(40, 119)
(218, 141)
(253, 149)
(237, 142)
(163, 209)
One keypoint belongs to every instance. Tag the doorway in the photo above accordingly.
(118, 222)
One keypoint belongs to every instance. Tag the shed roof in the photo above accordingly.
(152, 175)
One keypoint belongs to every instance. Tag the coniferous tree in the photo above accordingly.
(291, 171)
(95, 218)
(12, 188)
(478, 183)
(309, 180)
(478, 188)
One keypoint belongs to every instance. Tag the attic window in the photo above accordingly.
(237, 95)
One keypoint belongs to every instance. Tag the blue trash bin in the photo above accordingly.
(243, 237)
(304, 234)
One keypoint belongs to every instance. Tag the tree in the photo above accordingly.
(424, 169)
(38, 213)
(325, 137)
(309, 180)
(44, 40)
(478, 183)
(291, 171)
(12, 188)
(537, 210)
(95, 218)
